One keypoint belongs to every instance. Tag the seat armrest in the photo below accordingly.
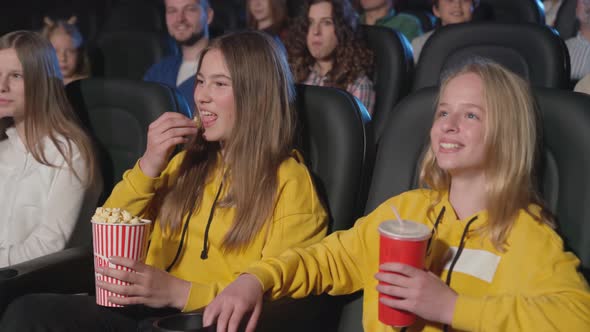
(310, 314)
(67, 271)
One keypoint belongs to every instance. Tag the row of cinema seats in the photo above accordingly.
(502, 11)
(534, 51)
(350, 173)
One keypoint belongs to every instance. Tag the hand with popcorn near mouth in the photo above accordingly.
(164, 134)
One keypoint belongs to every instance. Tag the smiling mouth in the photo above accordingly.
(449, 145)
(182, 27)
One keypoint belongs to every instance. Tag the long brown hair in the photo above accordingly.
(260, 141)
(512, 139)
(352, 59)
(278, 11)
(47, 113)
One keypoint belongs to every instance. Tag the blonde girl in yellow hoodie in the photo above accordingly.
(494, 263)
(236, 194)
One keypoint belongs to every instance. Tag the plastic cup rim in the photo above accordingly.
(403, 237)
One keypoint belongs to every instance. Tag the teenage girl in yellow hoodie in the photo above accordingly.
(236, 194)
(491, 233)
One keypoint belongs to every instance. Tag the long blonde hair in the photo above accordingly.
(512, 138)
(260, 141)
(47, 113)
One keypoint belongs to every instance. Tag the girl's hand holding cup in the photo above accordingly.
(164, 134)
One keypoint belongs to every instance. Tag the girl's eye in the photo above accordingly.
(442, 114)
(16, 75)
(199, 81)
(472, 116)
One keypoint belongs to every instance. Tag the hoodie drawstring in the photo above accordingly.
(205, 239)
(456, 258)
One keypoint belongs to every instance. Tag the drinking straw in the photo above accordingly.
(397, 215)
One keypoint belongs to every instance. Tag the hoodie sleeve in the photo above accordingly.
(336, 266)
(135, 190)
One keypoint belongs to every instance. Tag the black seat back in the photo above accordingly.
(510, 11)
(393, 70)
(535, 52)
(135, 15)
(337, 142)
(129, 54)
(118, 113)
(566, 22)
(565, 178)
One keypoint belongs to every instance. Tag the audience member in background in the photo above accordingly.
(188, 23)
(325, 48)
(269, 16)
(551, 10)
(510, 271)
(579, 46)
(448, 12)
(69, 46)
(238, 174)
(382, 12)
(48, 174)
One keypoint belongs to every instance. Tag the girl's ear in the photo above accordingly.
(72, 20)
(48, 21)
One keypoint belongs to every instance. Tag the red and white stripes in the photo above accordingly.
(125, 240)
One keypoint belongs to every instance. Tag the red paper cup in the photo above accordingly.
(125, 240)
(401, 242)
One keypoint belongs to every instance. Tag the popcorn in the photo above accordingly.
(115, 216)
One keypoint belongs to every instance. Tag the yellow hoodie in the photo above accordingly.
(299, 219)
(532, 286)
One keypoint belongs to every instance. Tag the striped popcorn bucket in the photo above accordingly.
(124, 240)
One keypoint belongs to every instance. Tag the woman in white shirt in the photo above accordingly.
(49, 178)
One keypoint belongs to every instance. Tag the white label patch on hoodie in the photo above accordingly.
(481, 264)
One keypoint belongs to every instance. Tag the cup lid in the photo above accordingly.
(406, 230)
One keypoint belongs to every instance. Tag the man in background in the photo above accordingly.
(382, 12)
(188, 23)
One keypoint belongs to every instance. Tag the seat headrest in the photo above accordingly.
(510, 11)
(534, 51)
(337, 142)
(393, 69)
(117, 114)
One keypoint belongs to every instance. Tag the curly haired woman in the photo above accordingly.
(325, 49)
